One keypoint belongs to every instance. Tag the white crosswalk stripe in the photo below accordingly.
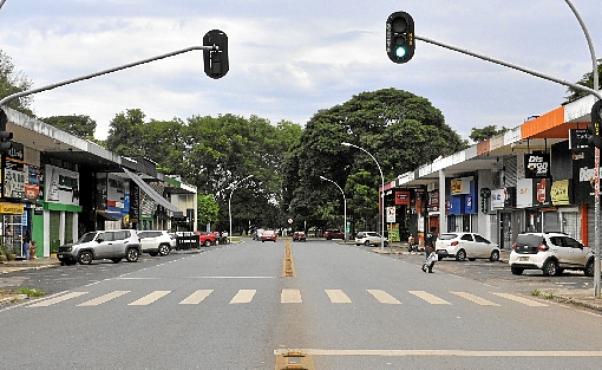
(150, 298)
(428, 297)
(382, 296)
(475, 299)
(104, 298)
(290, 296)
(59, 299)
(197, 297)
(337, 296)
(243, 296)
(518, 299)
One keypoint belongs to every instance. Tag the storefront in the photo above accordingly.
(503, 202)
(462, 205)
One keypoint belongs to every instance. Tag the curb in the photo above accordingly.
(10, 300)
(26, 268)
(578, 302)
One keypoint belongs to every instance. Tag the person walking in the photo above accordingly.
(429, 252)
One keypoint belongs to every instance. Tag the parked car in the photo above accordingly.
(334, 234)
(206, 239)
(268, 235)
(368, 238)
(257, 234)
(156, 242)
(96, 245)
(466, 245)
(299, 236)
(551, 253)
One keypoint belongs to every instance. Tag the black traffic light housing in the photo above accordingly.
(216, 61)
(595, 127)
(6, 137)
(400, 37)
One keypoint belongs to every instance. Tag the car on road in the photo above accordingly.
(369, 238)
(268, 235)
(462, 246)
(299, 236)
(550, 252)
(97, 245)
(333, 234)
(257, 234)
(206, 239)
(156, 242)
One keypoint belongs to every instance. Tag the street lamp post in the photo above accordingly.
(344, 205)
(233, 186)
(382, 182)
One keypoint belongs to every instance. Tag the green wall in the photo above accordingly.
(37, 233)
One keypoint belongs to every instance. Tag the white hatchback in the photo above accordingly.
(463, 246)
(156, 242)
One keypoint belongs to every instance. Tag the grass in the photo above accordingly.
(31, 292)
(542, 294)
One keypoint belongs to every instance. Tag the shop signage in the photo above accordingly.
(578, 138)
(537, 165)
(391, 215)
(7, 208)
(433, 204)
(460, 185)
(62, 185)
(468, 201)
(524, 193)
(559, 193)
(497, 198)
(509, 197)
(541, 192)
(402, 198)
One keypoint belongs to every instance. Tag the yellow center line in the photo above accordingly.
(440, 353)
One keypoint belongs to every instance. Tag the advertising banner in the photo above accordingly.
(542, 193)
(578, 138)
(391, 215)
(497, 198)
(62, 185)
(537, 165)
(433, 201)
(559, 193)
(524, 193)
(402, 198)
(460, 186)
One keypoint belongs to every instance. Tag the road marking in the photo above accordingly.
(337, 296)
(439, 353)
(150, 298)
(29, 302)
(104, 298)
(290, 296)
(55, 300)
(231, 277)
(137, 278)
(197, 297)
(382, 296)
(525, 301)
(428, 297)
(243, 296)
(475, 299)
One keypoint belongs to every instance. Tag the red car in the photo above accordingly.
(333, 234)
(269, 235)
(300, 236)
(206, 239)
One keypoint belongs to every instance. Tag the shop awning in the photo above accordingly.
(151, 192)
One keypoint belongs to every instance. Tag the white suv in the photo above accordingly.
(551, 253)
(156, 242)
(369, 238)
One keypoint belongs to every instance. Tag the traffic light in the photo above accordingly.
(400, 37)
(216, 61)
(5, 137)
(595, 138)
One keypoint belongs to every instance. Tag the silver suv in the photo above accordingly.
(551, 253)
(156, 242)
(96, 245)
(368, 238)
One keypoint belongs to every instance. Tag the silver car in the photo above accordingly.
(97, 245)
(368, 238)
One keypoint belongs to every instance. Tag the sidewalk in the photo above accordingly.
(578, 297)
(37, 264)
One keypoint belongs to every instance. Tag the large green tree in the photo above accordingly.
(79, 125)
(126, 133)
(586, 80)
(484, 133)
(12, 82)
(400, 129)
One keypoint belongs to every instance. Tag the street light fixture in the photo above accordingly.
(344, 205)
(382, 182)
(233, 186)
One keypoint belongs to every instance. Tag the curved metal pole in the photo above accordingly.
(592, 53)
(380, 204)
(344, 205)
(2, 3)
(233, 185)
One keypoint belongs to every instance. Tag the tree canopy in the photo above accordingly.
(12, 82)
(586, 80)
(485, 133)
(79, 125)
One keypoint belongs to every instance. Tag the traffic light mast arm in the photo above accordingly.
(512, 66)
(8, 98)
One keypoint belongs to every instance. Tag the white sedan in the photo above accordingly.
(466, 245)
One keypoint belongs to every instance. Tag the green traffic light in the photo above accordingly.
(400, 51)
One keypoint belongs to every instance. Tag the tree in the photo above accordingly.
(486, 133)
(79, 125)
(400, 129)
(207, 208)
(12, 82)
(586, 80)
(125, 133)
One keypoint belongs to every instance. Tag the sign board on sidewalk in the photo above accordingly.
(390, 215)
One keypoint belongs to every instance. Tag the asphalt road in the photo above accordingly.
(229, 308)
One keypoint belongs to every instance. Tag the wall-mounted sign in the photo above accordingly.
(460, 186)
(524, 193)
(433, 201)
(542, 195)
(497, 198)
(7, 208)
(578, 138)
(391, 215)
(559, 193)
(402, 198)
(62, 185)
(537, 165)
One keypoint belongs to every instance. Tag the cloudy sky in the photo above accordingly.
(290, 58)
